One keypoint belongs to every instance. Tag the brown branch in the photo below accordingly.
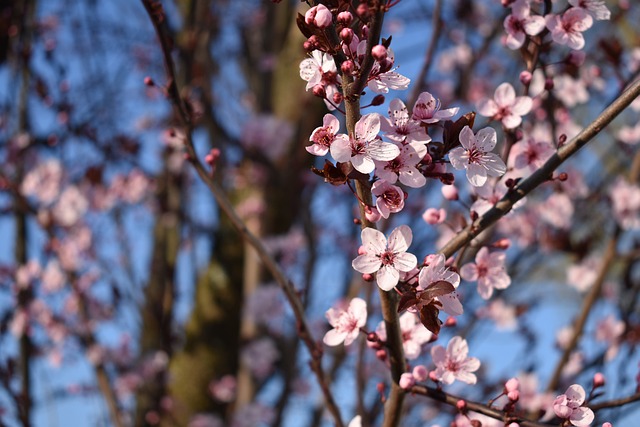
(616, 402)
(543, 174)
(494, 413)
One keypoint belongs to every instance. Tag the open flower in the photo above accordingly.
(488, 270)
(365, 147)
(404, 167)
(346, 323)
(414, 335)
(568, 406)
(475, 155)
(400, 127)
(389, 198)
(568, 28)
(387, 258)
(596, 8)
(506, 106)
(520, 24)
(453, 364)
(322, 137)
(321, 70)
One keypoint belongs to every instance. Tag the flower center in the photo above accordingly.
(475, 155)
(387, 258)
(392, 198)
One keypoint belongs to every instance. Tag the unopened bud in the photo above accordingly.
(365, 32)
(377, 100)
(562, 139)
(461, 405)
(345, 18)
(381, 354)
(420, 373)
(406, 381)
(367, 277)
(433, 376)
(362, 250)
(451, 321)
(548, 84)
(346, 34)
(318, 90)
(450, 192)
(502, 244)
(319, 16)
(511, 385)
(348, 67)
(525, 77)
(379, 52)
(563, 176)
(372, 336)
(362, 10)
(337, 98)
(149, 81)
(514, 395)
(372, 214)
(598, 380)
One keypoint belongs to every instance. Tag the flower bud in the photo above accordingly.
(367, 277)
(337, 98)
(319, 16)
(434, 216)
(362, 250)
(433, 377)
(379, 52)
(372, 214)
(511, 385)
(381, 354)
(348, 67)
(318, 90)
(149, 81)
(346, 34)
(406, 381)
(345, 18)
(513, 395)
(548, 84)
(598, 380)
(420, 373)
(461, 405)
(451, 321)
(525, 78)
(362, 10)
(378, 100)
(450, 192)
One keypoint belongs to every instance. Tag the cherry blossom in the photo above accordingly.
(453, 363)
(437, 271)
(488, 270)
(557, 210)
(569, 406)
(427, 109)
(529, 154)
(365, 147)
(520, 24)
(434, 216)
(505, 106)
(626, 203)
(567, 29)
(43, 181)
(504, 315)
(321, 70)
(400, 127)
(475, 157)
(319, 16)
(595, 8)
(323, 136)
(387, 258)
(346, 323)
(389, 198)
(403, 167)
(609, 330)
(70, 207)
(382, 77)
(414, 335)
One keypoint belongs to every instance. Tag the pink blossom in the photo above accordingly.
(427, 109)
(224, 389)
(406, 381)
(387, 258)
(346, 323)
(403, 167)
(53, 279)
(43, 181)
(568, 28)
(505, 106)
(475, 156)
(71, 206)
(453, 363)
(437, 271)
(365, 147)
(319, 16)
(414, 335)
(568, 406)
(321, 70)
(571, 91)
(582, 275)
(557, 211)
(401, 128)
(488, 270)
(528, 154)
(520, 24)
(389, 198)
(626, 203)
(323, 136)
(434, 216)
(595, 8)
